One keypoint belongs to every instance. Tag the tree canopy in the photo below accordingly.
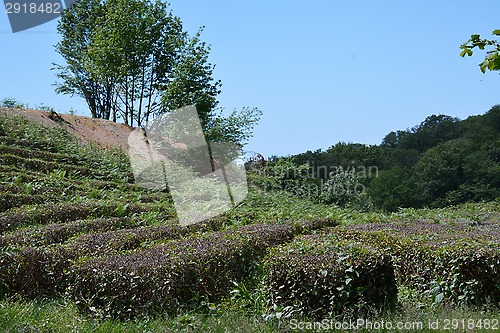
(132, 60)
(441, 161)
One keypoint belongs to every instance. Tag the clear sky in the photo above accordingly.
(322, 71)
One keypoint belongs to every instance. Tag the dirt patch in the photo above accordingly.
(104, 133)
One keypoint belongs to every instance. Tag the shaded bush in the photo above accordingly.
(61, 232)
(176, 274)
(34, 272)
(110, 242)
(320, 276)
(40, 271)
(10, 200)
(64, 212)
(454, 263)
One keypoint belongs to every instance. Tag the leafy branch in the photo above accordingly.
(492, 58)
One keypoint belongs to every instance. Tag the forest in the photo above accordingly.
(442, 161)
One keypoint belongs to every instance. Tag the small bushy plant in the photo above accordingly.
(321, 276)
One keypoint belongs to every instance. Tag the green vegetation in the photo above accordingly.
(406, 231)
(320, 276)
(132, 60)
(443, 161)
(84, 249)
(492, 58)
(10, 103)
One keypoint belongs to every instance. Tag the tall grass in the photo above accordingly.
(18, 315)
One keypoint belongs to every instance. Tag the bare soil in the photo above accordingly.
(104, 133)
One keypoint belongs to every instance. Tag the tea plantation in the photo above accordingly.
(82, 248)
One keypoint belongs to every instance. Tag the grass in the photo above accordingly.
(18, 315)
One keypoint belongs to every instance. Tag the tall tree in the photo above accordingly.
(77, 26)
(132, 59)
(123, 49)
(138, 43)
(192, 80)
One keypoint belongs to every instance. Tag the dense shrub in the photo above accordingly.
(9, 200)
(320, 276)
(110, 242)
(31, 270)
(180, 272)
(454, 263)
(34, 271)
(64, 212)
(61, 232)
(40, 271)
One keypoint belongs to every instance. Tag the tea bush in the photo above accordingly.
(64, 212)
(453, 263)
(61, 232)
(173, 275)
(9, 200)
(33, 272)
(320, 276)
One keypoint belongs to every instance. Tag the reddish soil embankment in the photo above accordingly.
(102, 132)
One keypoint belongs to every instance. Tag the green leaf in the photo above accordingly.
(491, 65)
(496, 62)
(483, 66)
(496, 32)
(465, 52)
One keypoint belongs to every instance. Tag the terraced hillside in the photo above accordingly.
(66, 208)
(73, 226)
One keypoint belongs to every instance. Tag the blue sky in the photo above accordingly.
(321, 71)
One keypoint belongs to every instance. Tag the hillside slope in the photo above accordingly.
(102, 132)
